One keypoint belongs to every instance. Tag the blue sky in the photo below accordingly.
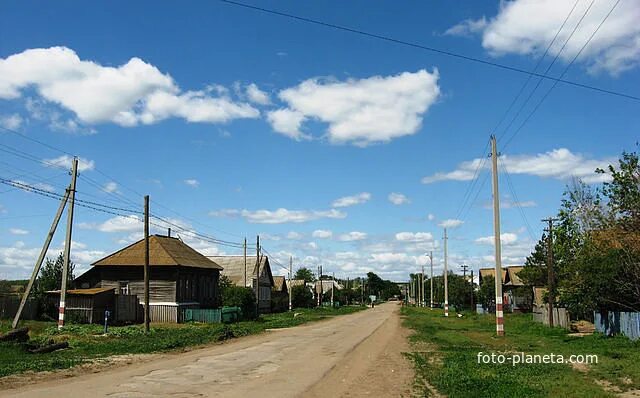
(224, 115)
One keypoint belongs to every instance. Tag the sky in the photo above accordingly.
(338, 149)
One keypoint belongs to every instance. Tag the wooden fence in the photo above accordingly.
(9, 306)
(127, 309)
(560, 316)
(611, 323)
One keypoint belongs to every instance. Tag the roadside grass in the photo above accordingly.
(88, 342)
(446, 357)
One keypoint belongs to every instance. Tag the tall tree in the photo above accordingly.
(305, 274)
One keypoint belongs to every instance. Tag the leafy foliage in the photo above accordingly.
(301, 297)
(305, 274)
(238, 296)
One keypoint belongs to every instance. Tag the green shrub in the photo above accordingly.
(243, 297)
(301, 297)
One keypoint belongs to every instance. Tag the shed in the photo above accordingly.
(85, 305)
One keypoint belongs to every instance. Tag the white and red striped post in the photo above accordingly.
(446, 272)
(499, 317)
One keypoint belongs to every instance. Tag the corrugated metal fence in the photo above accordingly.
(203, 315)
(611, 323)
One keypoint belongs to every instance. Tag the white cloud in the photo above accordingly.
(294, 235)
(467, 27)
(39, 185)
(11, 122)
(256, 95)
(558, 163)
(347, 201)
(398, 198)
(130, 223)
(18, 231)
(414, 237)
(431, 217)
(192, 183)
(322, 234)
(65, 162)
(279, 216)
(352, 236)
(526, 27)
(451, 223)
(129, 94)
(361, 112)
(505, 239)
(110, 187)
(288, 122)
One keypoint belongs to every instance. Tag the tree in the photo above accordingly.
(239, 296)
(487, 292)
(301, 297)
(50, 277)
(305, 274)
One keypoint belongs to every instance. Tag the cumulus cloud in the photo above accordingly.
(256, 95)
(560, 164)
(322, 234)
(11, 122)
(526, 27)
(468, 27)
(414, 237)
(65, 162)
(118, 224)
(18, 231)
(451, 223)
(398, 198)
(359, 111)
(192, 182)
(133, 93)
(353, 200)
(294, 235)
(352, 236)
(279, 216)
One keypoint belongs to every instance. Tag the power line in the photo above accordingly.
(515, 133)
(427, 48)
(516, 199)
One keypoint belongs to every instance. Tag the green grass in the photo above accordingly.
(88, 343)
(446, 352)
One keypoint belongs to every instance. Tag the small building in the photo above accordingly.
(516, 298)
(279, 294)
(84, 305)
(179, 277)
(246, 273)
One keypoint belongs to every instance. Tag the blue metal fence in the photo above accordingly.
(625, 323)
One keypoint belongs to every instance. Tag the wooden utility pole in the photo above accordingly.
(258, 275)
(147, 309)
(431, 279)
(43, 253)
(422, 287)
(496, 231)
(550, 274)
(244, 246)
(67, 242)
(446, 272)
(290, 279)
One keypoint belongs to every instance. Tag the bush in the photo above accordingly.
(301, 297)
(243, 297)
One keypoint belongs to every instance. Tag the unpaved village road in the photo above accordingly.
(357, 355)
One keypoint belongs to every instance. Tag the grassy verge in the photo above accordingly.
(446, 357)
(87, 342)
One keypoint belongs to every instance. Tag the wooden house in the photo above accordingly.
(179, 277)
(279, 294)
(514, 299)
(247, 273)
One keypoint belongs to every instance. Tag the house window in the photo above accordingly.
(123, 287)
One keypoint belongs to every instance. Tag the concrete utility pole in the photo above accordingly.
(362, 291)
(550, 275)
(147, 309)
(257, 275)
(446, 272)
(472, 292)
(43, 253)
(431, 278)
(290, 279)
(496, 231)
(333, 283)
(67, 242)
(422, 287)
(244, 247)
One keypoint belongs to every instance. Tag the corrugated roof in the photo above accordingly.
(234, 268)
(163, 251)
(85, 292)
(295, 282)
(279, 284)
(512, 278)
(485, 272)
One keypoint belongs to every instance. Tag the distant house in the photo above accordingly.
(244, 274)
(179, 278)
(295, 282)
(514, 299)
(279, 294)
(280, 285)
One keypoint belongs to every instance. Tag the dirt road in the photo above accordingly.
(354, 355)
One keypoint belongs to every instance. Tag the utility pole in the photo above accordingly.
(464, 267)
(43, 253)
(550, 275)
(472, 292)
(362, 292)
(67, 242)
(147, 309)
(496, 230)
(333, 283)
(257, 275)
(290, 278)
(422, 287)
(244, 247)
(431, 278)
(446, 272)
